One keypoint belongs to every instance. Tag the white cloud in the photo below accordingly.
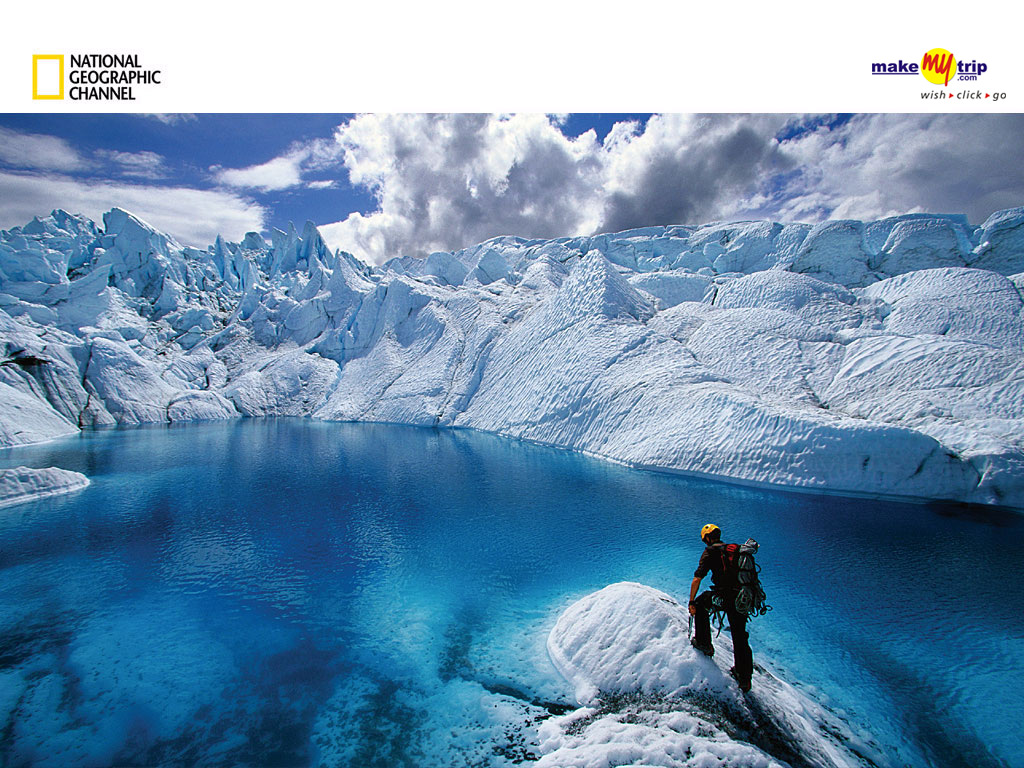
(449, 181)
(279, 173)
(879, 165)
(37, 152)
(170, 118)
(444, 181)
(146, 165)
(194, 217)
(285, 171)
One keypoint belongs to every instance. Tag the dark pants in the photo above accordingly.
(737, 625)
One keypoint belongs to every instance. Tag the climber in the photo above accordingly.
(721, 597)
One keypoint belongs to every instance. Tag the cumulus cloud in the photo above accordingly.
(449, 181)
(38, 152)
(686, 169)
(443, 181)
(192, 216)
(880, 165)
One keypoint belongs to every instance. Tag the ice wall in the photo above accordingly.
(870, 357)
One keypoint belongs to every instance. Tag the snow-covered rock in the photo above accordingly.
(648, 698)
(24, 484)
(865, 357)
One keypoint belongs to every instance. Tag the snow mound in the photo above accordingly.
(806, 297)
(626, 638)
(968, 304)
(650, 699)
(23, 484)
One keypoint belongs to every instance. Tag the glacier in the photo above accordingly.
(880, 358)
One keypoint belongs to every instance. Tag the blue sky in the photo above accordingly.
(191, 146)
(389, 185)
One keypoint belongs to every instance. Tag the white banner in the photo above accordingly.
(550, 56)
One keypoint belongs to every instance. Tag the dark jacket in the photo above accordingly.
(713, 560)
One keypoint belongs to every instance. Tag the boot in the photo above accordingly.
(743, 684)
(707, 650)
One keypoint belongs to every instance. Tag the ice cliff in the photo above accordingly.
(876, 357)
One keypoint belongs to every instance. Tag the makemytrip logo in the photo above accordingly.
(90, 76)
(940, 67)
(937, 66)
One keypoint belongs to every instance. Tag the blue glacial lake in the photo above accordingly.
(294, 593)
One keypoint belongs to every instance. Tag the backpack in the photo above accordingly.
(742, 571)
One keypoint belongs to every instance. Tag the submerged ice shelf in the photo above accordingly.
(866, 357)
(23, 484)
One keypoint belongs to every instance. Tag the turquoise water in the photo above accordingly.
(286, 592)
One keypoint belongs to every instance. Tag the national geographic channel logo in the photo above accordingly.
(90, 76)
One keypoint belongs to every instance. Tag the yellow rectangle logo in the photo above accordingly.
(48, 76)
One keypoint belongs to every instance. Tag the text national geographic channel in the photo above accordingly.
(90, 76)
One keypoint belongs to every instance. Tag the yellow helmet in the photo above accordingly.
(708, 529)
